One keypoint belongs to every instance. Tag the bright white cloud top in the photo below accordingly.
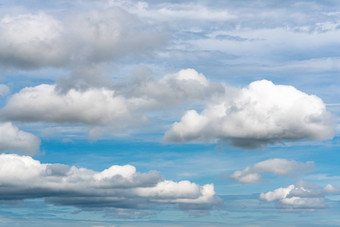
(22, 177)
(281, 167)
(263, 113)
(16, 141)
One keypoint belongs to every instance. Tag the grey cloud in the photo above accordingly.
(119, 187)
(171, 89)
(41, 40)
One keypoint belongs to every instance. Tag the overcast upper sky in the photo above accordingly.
(169, 113)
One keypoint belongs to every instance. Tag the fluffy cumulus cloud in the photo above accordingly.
(302, 196)
(261, 114)
(22, 177)
(35, 40)
(281, 167)
(31, 40)
(100, 105)
(43, 103)
(16, 141)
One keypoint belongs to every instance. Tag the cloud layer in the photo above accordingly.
(281, 167)
(261, 114)
(121, 187)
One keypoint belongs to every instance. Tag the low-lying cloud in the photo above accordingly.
(22, 177)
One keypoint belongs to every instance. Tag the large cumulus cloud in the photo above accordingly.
(263, 113)
(33, 40)
(22, 177)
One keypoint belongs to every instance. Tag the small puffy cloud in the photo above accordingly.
(299, 197)
(118, 187)
(330, 189)
(281, 167)
(261, 114)
(16, 141)
(34, 40)
(4, 90)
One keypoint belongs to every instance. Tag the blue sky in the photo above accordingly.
(169, 113)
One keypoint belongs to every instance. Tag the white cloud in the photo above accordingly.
(4, 90)
(263, 113)
(43, 103)
(14, 140)
(37, 40)
(32, 40)
(116, 187)
(302, 197)
(281, 167)
(97, 105)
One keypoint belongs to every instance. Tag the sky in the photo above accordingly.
(169, 113)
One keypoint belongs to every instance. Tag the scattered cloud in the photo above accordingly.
(281, 167)
(22, 177)
(261, 114)
(16, 141)
(303, 196)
